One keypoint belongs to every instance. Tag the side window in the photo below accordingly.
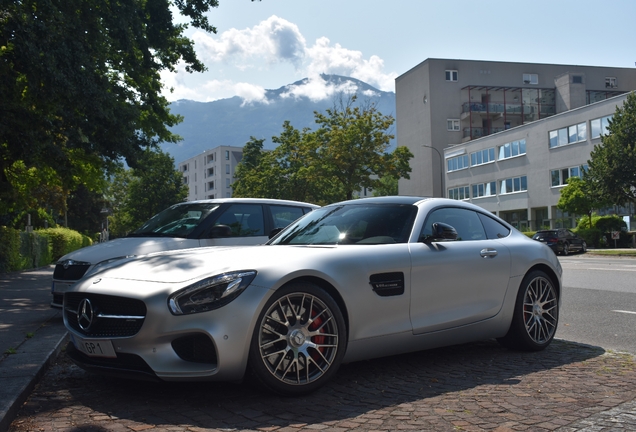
(494, 229)
(284, 215)
(466, 223)
(245, 220)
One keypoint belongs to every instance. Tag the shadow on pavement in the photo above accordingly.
(480, 379)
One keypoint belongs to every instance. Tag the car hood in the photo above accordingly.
(191, 264)
(128, 246)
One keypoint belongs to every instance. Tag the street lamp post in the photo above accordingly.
(441, 169)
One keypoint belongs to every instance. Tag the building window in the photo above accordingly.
(184, 168)
(210, 172)
(210, 158)
(451, 75)
(560, 177)
(610, 82)
(512, 149)
(577, 79)
(227, 183)
(210, 185)
(568, 135)
(530, 78)
(227, 168)
(185, 179)
(482, 157)
(195, 165)
(459, 193)
(600, 126)
(452, 124)
(211, 196)
(512, 185)
(195, 176)
(484, 189)
(227, 155)
(457, 163)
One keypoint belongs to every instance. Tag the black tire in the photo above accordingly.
(566, 250)
(299, 340)
(536, 314)
(583, 247)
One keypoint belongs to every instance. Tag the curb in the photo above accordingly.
(20, 372)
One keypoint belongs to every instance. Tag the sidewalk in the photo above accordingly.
(31, 334)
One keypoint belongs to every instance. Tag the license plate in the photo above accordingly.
(95, 347)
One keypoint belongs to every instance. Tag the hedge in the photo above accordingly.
(20, 250)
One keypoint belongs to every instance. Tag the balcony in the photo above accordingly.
(478, 132)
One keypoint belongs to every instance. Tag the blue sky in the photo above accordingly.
(268, 44)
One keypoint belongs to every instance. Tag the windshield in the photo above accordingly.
(176, 221)
(351, 224)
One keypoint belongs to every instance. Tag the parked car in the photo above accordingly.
(350, 281)
(215, 222)
(561, 241)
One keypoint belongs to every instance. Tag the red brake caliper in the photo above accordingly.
(318, 340)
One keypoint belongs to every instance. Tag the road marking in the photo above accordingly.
(611, 269)
(627, 312)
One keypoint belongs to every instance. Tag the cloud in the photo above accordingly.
(266, 46)
(273, 40)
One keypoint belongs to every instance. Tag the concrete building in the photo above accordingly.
(211, 173)
(441, 103)
(518, 174)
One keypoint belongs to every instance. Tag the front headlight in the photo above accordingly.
(210, 293)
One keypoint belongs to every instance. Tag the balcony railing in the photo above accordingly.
(478, 132)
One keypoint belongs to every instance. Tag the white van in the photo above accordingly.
(215, 222)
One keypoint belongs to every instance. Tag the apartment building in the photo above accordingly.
(211, 173)
(518, 173)
(443, 103)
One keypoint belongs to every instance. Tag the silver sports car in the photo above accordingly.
(350, 281)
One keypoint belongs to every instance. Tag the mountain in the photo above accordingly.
(233, 121)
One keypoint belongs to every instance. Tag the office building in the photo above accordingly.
(211, 173)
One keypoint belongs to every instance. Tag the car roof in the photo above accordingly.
(385, 200)
(252, 201)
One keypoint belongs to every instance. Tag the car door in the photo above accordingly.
(239, 224)
(460, 282)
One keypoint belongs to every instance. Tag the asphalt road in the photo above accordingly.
(599, 302)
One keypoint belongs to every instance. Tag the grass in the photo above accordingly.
(613, 252)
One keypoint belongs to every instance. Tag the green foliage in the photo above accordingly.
(10, 258)
(40, 218)
(592, 236)
(581, 197)
(345, 154)
(135, 195)
(62, 241)
(613, 162)
(386, 186)
(35, 249)
(81, 88)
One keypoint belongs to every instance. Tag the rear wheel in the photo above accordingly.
(536, 314)
(583, 247)
(566, 249)
(299, 340)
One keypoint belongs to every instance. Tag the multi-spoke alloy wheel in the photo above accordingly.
(536, 314)
(540, 310)
(299, 340)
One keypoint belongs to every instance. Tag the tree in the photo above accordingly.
(138, 194)
(345, 154)
(612, 164)
(82, 77)
(352, 147)
(581, 197)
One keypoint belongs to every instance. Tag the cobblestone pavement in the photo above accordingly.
(476, 387)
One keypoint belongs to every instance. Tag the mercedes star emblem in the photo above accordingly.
(85, 314)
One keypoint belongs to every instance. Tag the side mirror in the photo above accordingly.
(220, 231)
(441, 232)
(275, 231)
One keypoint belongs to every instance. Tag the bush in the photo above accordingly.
(10, 258)
(600, 236)
(35, 249)
(63, 241)
(592, 236)
(39, 219)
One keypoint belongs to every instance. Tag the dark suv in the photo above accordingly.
(561, 241)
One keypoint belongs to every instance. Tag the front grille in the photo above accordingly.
(112, 316)
(196, 348)
(71, 272)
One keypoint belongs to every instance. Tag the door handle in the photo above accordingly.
(488, 253)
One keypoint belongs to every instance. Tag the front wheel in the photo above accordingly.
(299, 340)
(536, 314)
